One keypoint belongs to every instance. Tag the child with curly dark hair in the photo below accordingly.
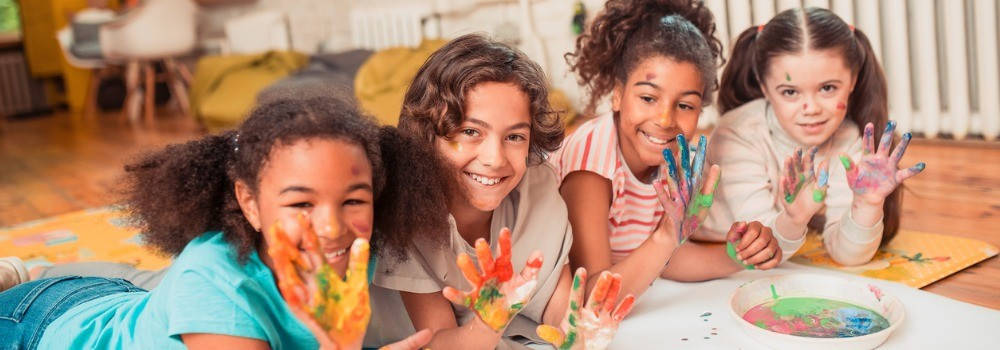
(312, 161)
(631, 210)
(483, 106)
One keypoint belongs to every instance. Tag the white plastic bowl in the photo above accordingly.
(816, 286)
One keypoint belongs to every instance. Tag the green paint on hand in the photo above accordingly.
(569, 342)
(572, 320)
(573, 306)
(701, 201)
(774, 294)
(789, 198)
(846, 162)
(818, 196)
(576, 282)
(517, 307)
(731, 251)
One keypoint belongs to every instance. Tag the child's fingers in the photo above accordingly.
(736, 231)
(485, 257)
(623, 308)
(712, 180)
(907, 173)
(797, 160)
(600, 292)
(766, 252)
(886, 141)
(771, 263)
(807, 163)
(685, 154)
(699, 160)
(869, 139)
(672, 170)
(662, 192)
(897, 154)
(469, 270)
(852, 170)
(823, 179)
(502, 266)
(613, 291)
(576, 292)
(358, 263)
(505, 242)
(749, 236)
(530, 270)
(551, 334)
(455, 296)
(675, 195)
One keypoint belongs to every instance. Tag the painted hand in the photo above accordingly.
(591, 327)
(497, 294)
(753, 246)
(687, 192)
(334, 309)
(877, 173)
(799, 176)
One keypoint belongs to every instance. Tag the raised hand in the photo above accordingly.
(799, 176)
(334, 309)
(877, 173)
(497, 294)
(593, 326)
(685, 192)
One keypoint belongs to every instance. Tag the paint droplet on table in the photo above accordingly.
(706, 314)
(684, 339)
(774, 295)
(706, 337)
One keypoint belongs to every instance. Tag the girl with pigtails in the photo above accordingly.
(632, 202)
(801, 92)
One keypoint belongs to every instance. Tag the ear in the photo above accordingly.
(616, 97)
(248, 204)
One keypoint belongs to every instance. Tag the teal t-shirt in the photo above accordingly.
(205, 291)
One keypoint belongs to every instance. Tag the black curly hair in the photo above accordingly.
(175, 194)
(628, 31)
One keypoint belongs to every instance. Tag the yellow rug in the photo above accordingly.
(913, 258)
(88, 235)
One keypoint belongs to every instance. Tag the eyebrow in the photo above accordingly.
(297, 189)
(647, 83)
(360, 186)
(487, 126)
(822, 83)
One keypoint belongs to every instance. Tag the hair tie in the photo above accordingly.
(760, 28)
(852, 27)
(236, 142)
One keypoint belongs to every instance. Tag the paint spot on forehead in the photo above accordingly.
(788, 77)
(650, 76)
(355, 171)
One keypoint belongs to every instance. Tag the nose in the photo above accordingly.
(327, 223)
(810, 107)
(666, 119)
(491, 153)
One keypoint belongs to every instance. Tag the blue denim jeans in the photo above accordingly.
(28, 308)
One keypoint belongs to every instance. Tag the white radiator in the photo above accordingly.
(19, 92)
(379, 27)
(940, 57)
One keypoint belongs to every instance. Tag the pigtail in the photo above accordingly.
(182, 191)
(869, 104)
(413, 203)
(600, 52)
(740, 83)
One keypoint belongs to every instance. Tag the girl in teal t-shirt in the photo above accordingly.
(299, 160)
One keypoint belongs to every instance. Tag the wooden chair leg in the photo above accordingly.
(150, 91)
(133, 91)
(178, 89)
(90, 109)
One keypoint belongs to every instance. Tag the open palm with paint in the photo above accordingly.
(877, 173)
(686, 192)
(497, 294)
(803, 186)
(593, 326)
(335, 309)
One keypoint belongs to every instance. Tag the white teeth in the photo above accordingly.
(335, 254)
(487, 181)
(653, 139)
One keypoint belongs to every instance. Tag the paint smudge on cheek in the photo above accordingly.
(455, 146)
(816, 318)
(805, 106)
(361, 226)
(841, 106)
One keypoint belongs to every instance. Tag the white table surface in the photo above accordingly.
(670, 311)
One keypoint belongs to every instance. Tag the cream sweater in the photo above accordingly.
(751, 147)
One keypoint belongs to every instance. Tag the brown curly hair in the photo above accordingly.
(176, 194)
(434, 104)
(628, 31)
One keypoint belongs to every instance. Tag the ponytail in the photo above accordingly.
(740, 83)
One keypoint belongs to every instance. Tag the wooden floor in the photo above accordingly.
(60, 163)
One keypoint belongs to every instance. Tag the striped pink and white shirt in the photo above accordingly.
(634, 211)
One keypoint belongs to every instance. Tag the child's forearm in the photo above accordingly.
(641, 267)
(700, 261)
(866, 214)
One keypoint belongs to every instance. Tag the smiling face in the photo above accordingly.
(490, 148)
(335, 194)
(660, 99)
(809, 93)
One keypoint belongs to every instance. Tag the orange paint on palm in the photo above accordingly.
(340, 306)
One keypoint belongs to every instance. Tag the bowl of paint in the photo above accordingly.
(800, 311)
